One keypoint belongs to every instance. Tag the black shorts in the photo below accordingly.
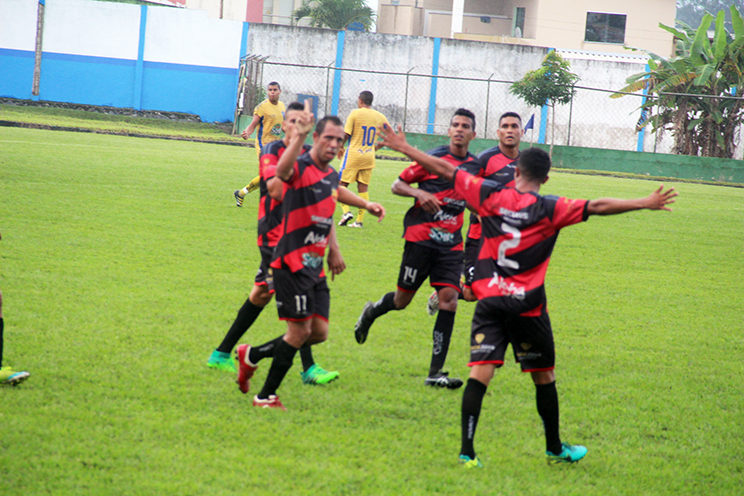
(263, 275)
(494, 328)
(442, 267)
(300, 296)
(472, 249)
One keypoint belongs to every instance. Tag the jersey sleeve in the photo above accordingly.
(469, 187)
(568, 212)
(258, 110)
(269, 162)
(414, 173)
(473, 167)
(349, 126)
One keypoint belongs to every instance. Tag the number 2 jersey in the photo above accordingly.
(519, 233)
(309, 202)
(442, 230)
(269, 209)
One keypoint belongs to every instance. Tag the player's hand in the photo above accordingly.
(659, 199)
(306, 120)
(377, 210)
(391, 139)
(245, 135)
(429, 202)
(340, 154)
(336, 262)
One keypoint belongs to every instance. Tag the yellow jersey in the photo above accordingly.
(363, 125)
(270, 124)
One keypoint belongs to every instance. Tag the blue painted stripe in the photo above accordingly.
(433, 90)
(642, 132)
(9, 52)
(66, 57)
(164, 66)
(544, 118)
(244, 40)
(337, 74)
(139, 67)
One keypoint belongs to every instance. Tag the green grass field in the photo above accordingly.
(123, 262)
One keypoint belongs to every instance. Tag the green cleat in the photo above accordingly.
(318, 375)
(9, 377)
(469, 463)
(221, 361)
(568, 454)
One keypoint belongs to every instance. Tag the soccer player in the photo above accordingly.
(267, 116)
(433, 248)
(497, 164)
(361, 132)
(519, 229)
(8, 376)
(269, 232)
(302, 296)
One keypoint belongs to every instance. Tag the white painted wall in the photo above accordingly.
(18, 24)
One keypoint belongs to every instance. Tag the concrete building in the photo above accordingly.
(587, 25)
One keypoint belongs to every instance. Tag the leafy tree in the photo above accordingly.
(336, 14)
(692, 91)
(691, 12)
(551, 84)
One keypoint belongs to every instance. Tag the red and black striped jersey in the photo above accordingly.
(269, 210)
(519, 233)
(442, 230)
(494, 165)
(307, 213)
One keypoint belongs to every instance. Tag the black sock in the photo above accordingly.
(246, 317)
(306, 355)
(547, 407)
(265, 350)
(2, 330)
(280, 365)
(442, 335)
(382, 306)
(472, 399)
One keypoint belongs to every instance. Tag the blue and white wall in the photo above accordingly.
(122, 55)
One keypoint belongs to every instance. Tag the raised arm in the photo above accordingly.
(397, 141)
(348, 198)
(658, 200)
(303, 127)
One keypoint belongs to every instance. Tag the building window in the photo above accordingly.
(518, 22)
(605, 28)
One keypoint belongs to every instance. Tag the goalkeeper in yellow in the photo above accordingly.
(267, 117)
(362, 129)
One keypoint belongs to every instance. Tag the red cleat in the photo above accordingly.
(245, 368)
(271, 402)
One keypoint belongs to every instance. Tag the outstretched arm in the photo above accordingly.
(397, 141)
(348, 198)
(658, 200)
(303, 126)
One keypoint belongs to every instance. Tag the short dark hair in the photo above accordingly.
(274, 83)
(366, 97)
(295, 106)
(465, 113)
(534, 163)
(510, 114)
(320, 126)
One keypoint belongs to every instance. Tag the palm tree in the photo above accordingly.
(336, 14)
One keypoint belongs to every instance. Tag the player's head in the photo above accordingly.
(365, 98)
(510, 131)
(291, 114)
(327, 139)
(534, 164)
(273, 90)
(462, 128)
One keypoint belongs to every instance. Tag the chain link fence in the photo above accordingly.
(592, 119)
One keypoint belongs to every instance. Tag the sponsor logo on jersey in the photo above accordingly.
(509, 289)
(480, 337)
(322, 220)
(445, 218)
(316, 239)
(439, 235)
(312, 260)
(454, 201)
(510, 214)
(276, 130)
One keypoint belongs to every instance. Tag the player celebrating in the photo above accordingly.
(498, 164)
(269, 232)
(433, 246)
(361, 132)
(268, 116)
(520, 229)
(302, 295)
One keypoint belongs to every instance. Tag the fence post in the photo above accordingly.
(405, 104)
(570, 115)
(642, 132)
(656, 117)
(337, 76)
(433, 92)
(488, 99)
(37, 50)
